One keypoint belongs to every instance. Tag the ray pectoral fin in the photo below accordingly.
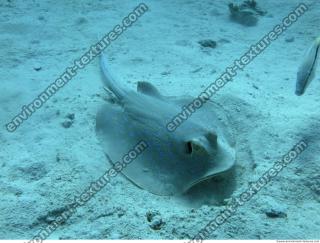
(111, 130)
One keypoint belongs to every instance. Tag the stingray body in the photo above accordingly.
(202, 146)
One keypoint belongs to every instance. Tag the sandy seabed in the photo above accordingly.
(55, 155)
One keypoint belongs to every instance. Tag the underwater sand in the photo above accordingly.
(44, 165)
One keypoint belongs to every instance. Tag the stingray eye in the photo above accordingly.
(195, 147)
(189, 147)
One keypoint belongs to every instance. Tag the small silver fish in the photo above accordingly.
(307, 68)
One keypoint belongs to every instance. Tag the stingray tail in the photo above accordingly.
(108, 78)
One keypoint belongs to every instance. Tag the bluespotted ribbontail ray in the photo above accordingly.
(200, 148)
